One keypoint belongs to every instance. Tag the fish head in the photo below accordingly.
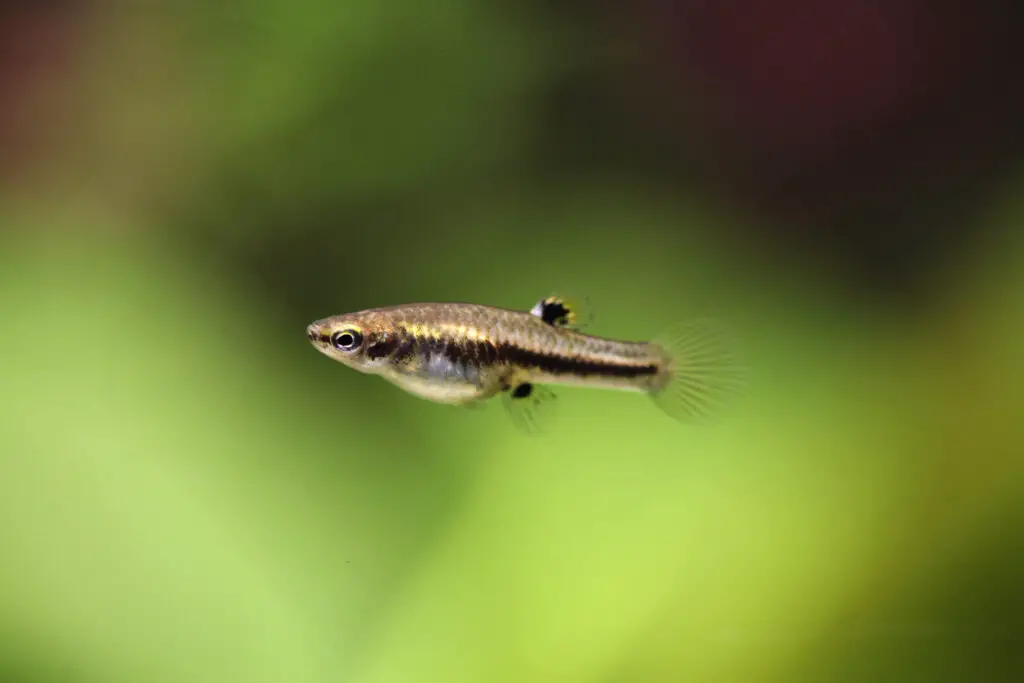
(361, 341)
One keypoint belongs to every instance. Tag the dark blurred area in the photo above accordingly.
(188, 492)
(866, 136)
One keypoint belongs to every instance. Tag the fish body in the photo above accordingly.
(464, 353)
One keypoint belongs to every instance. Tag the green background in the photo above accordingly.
(190, 492)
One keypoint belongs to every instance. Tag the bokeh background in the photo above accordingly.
(189, 492)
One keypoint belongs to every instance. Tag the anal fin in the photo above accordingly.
(530, 406)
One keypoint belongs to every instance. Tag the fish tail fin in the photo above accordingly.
(702, 373)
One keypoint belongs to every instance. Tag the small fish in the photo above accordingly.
(465, 354)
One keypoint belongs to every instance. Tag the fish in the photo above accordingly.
(465, 354)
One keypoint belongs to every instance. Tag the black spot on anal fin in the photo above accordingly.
(522, 391)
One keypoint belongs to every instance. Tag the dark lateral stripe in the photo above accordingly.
(458, 351)
(405, 348)
(487, 352)
(405, 351)
(569, 365)
(379, 348)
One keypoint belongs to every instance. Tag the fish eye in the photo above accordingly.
(346, 340)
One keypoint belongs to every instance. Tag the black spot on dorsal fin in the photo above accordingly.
(571, 312)
(555, 313)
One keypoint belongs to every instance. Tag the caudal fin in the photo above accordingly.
(703, 373)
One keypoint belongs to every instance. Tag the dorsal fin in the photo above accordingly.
(569, 311)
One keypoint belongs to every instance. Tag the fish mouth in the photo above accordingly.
(317, 336)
